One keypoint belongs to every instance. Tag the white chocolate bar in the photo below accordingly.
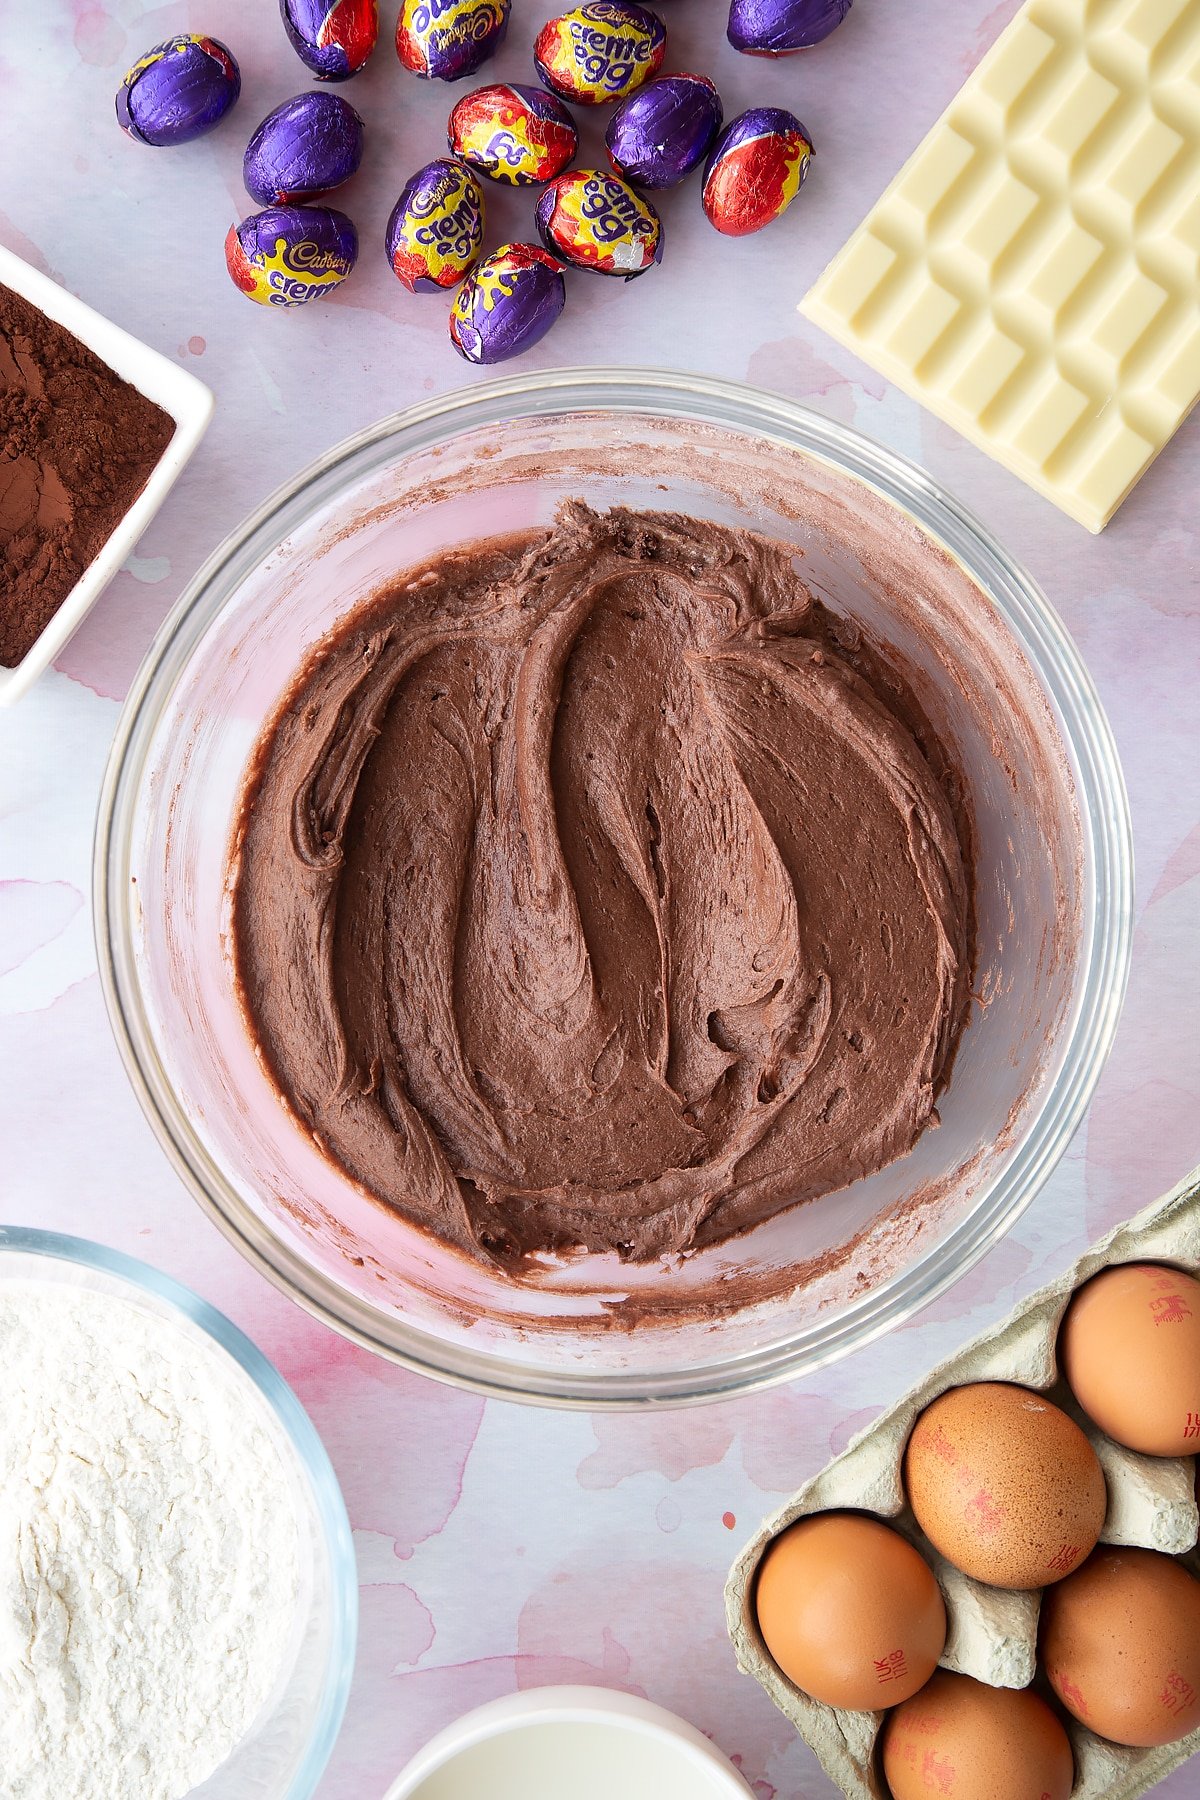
(1032, 275)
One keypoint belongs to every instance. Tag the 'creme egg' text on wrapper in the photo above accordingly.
(444, 40)
(307, 146)
(289, 255)
(755, 170)
(333, 38)
(600, 52)
(661, 133)
(507, 304)
(435, 234)
(596, 221)
(178, 91)
(521, 135)
(781, 27)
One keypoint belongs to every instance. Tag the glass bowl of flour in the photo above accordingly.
(178, 1602)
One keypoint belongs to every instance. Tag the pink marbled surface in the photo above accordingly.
(501, 1547)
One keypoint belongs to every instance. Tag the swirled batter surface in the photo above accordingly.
(599, 889)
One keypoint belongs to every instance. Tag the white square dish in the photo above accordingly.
(188, 402)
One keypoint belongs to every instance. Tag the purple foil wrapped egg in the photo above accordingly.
(512, 133)
(435, 234)
(779, 27)
(333, 38)
(307, 146)
(444, 40)
(289, 255)
(594, 220)
(660, 134)
(755, 170)
(178, 91)
(600, 51)
(507, 304)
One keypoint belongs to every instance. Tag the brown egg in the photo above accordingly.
(1130, 1348)
(963, 1740)
(850, 1611)
(1004, 1485)
(1120, 1642)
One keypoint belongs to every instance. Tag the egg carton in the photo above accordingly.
(992, 1632)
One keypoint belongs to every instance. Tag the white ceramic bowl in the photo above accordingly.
(544, 1729)
(188, 402)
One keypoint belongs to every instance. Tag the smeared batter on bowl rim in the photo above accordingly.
(598, 889)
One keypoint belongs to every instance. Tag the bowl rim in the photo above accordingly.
(1104, 822)
(328, 1503)
(566, 1705)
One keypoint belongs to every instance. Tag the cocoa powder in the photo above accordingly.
(77, 444)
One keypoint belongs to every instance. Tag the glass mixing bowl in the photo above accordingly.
(995, 673)
(283, 1755)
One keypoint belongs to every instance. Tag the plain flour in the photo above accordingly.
(149, 1550)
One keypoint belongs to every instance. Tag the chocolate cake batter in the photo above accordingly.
(599, 889)
(77, 445)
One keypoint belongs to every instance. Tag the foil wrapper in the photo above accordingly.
(507, 304)
(178, 91)
(289, 255)
(516, 134)
(755, 170)
(594, 220)
(660, 134)
(333, 38)
(599, 52)
(435, 234)
(780, 27)
(307, 146)
(445, 40)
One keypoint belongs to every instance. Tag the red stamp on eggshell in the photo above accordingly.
(985, 1513)
(1069, 1691)
(1063, 1559)
(1177, 1694)
(1170, 1309)
(939, 1445)
(938, 1772)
